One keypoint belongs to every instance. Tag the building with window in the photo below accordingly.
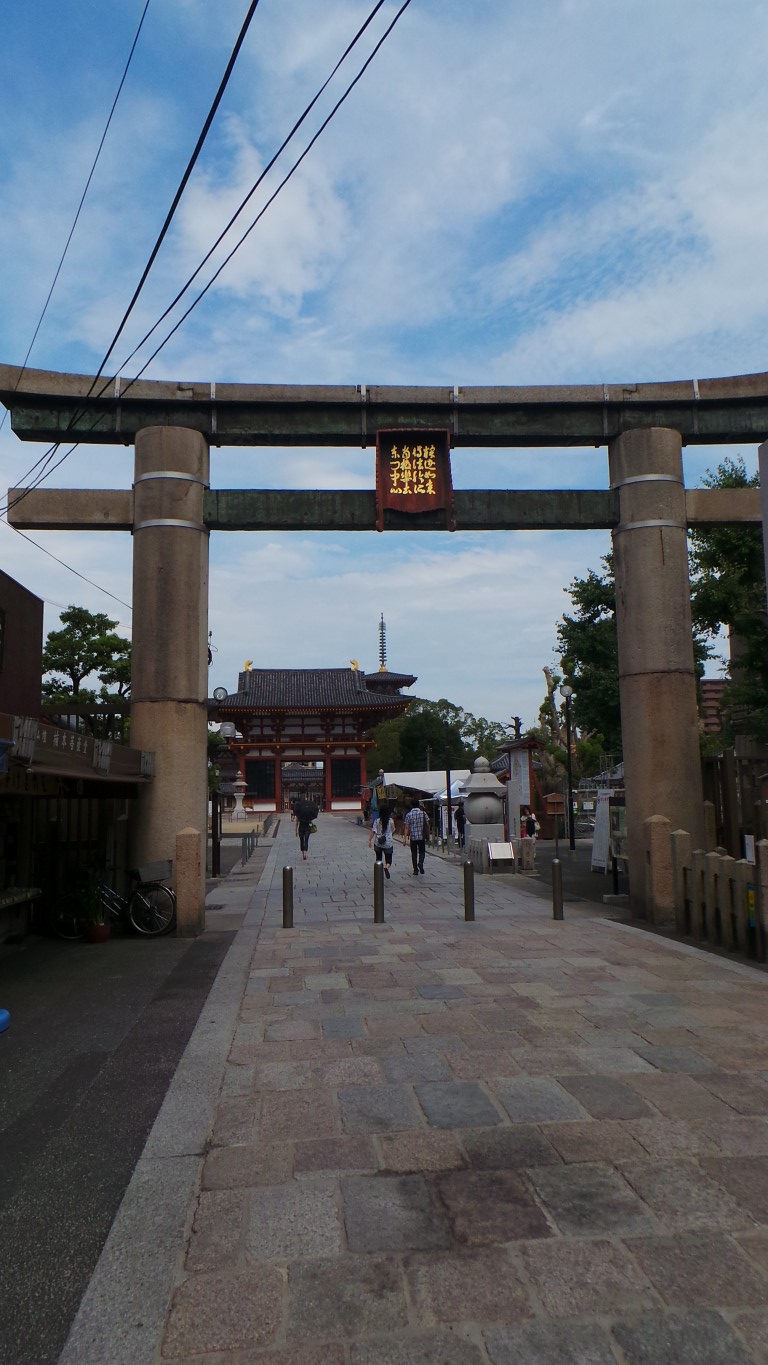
(307, 729)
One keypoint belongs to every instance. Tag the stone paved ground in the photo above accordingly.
(514, 1141)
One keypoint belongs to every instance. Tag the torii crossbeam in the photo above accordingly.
(171, 510)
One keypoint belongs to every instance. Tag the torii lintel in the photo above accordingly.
(49, 406)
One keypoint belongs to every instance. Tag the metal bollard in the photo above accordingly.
(469, 892)
(287, 897)
(378, 893)
(557, 889)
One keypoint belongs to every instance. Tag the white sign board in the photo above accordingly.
(601, 838)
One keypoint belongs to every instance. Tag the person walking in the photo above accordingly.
(306, 812)
(461, 823)
(416, 829)
(382, 837)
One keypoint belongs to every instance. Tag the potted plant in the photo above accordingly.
(96, 925)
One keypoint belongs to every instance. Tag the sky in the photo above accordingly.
(566, 192)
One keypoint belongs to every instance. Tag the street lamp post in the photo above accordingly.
(447, 792)
(566, 693)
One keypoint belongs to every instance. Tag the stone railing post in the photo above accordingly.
(726, 899)
(743, 900)
(710, 826)
(659, 887)
(681, 847)
(761, 897)
(711, 865)
(697, 893)
(190, 886)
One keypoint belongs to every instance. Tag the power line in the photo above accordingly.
(44, 459)
(79, 210)
(65, 565)
(44, 473)
(272, 197)
(257, 183)
(182, 184)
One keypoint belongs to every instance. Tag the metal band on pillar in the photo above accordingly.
(172, 521)
(169, 474)
(648, 478)
(646, 525)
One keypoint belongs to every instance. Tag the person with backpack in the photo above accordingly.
(382, 837)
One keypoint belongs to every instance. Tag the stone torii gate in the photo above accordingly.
(171, 509)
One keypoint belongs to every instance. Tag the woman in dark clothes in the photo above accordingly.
(306, 812)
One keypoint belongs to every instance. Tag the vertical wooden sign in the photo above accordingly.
(413, 474)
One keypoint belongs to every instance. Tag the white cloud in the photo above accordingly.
(571, 192)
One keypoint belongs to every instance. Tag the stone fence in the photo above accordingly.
(706, 896)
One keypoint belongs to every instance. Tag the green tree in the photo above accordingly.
(588, 651)
(416, 740)
(587, 640)
(386, 749)
(424, 739)
(728, 589)
(85, 646)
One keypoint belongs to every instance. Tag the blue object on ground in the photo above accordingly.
(5, 1020)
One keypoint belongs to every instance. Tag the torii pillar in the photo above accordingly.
(657, 678)
(169, 676)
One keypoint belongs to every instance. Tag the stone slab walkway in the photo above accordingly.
(436, 1143)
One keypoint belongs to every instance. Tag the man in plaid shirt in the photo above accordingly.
(416, 827)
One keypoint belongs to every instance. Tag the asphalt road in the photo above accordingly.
(580, 883)
(96, 1035)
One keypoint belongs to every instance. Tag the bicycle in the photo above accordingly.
(150, 909)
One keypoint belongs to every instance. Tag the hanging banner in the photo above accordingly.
(413, 474)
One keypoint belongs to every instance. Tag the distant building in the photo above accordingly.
(64, 794)
(21, 648)
(711, 692)
(289, 730)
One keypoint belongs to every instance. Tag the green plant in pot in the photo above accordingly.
(97, 927)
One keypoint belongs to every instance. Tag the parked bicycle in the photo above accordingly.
(150, 909)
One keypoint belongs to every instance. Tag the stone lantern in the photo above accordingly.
(239, 786)
(484, 809)
(484, 795)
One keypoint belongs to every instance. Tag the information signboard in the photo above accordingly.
(413, 474)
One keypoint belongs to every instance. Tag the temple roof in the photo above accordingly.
(384, 679)
(307, 689)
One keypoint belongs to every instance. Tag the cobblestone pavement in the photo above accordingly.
(436, 1143)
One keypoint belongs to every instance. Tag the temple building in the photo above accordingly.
(291, 731)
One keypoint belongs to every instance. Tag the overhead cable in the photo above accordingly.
(45, 458)
(65, 565)
(77, 214)
(272, 197)
(261, 178)
(244, 236)
(182, 185)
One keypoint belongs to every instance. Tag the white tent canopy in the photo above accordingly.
(429, 783)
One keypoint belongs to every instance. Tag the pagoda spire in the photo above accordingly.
(382, 645)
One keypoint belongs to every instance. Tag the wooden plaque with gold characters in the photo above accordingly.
(413, 476)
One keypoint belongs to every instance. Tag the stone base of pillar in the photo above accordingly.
(662, 766)
(176, 798)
